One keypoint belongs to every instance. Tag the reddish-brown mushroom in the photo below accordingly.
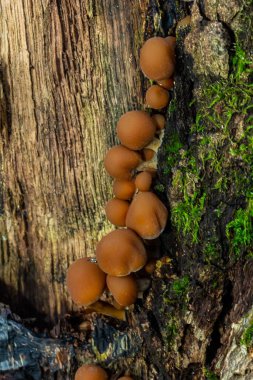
(143, 181)
(120, 162)
(121, 252)
(125, 378)
(157, 97)
(91, 372)
(85, 281)
(147, 154)
(135, 129)
(159, 121)
(166, 83)
(147, 215)
(116, 211)
(171, 41)
(157, 60)
(123, 189)
(101, 307)
(124, 289)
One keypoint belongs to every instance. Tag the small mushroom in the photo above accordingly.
(157, 58)
(125, 378)
(157, 97)
(91, 372)
(147, 154)
(123, 189)
(85, 281)
(116, 211)
(135, 129)
(166, 83)
(171, 41)
(147, 215)
(124, 289)
(143, 181)
(101, 307)
(121, 252)
(159, 121)
(120, 162)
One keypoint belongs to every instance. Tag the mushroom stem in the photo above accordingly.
(154, 145)
(106, 309)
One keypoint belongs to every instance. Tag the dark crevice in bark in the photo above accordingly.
(215, 339)
(6, 102)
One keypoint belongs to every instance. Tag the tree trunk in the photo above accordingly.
(69, 69)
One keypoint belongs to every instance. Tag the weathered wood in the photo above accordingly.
(69, 69)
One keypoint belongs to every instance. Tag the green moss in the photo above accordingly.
(180, 286)
(172, 150)
(210, 252)
(170, 332)
(159, 187)
(240, 230)
(186, 215)
(247, 337)
(209, 375)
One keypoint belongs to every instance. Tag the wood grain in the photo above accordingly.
(68, 70)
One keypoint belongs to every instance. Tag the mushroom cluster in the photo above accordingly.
(94, 372)
(135, 210)
(137, 213)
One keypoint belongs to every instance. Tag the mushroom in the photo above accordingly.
(135, 129)
(147, 215)
(159, 121)
(157, 58)
(105, 308)
(85, 281)
(150, 266)
(125, 378)
(157, 97)
(121, 252)
(116, 210)
(124, 289)
(143, 181)
(171, 41)
(120, 162)
(123, 189)
(91, 372)
(166, 83)
(147, 154)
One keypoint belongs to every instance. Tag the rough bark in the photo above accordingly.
(69, 69)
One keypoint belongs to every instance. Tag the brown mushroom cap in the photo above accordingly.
(124, 289)
(116, 211)
(147, 215)
(166, 83)
(85, 282)
(157, 97)
(143, 181)
(123, 189)
(171, 41)
(125, 378)
(159, 121)
(121, 252)
(120, 161)
(157, 58)
(147, 154)
(91, 372)
(135, 129)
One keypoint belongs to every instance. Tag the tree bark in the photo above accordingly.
(69, 69)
